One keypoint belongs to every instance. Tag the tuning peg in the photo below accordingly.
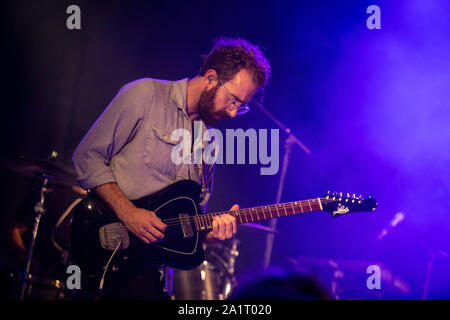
(354, 196)
(360, 196)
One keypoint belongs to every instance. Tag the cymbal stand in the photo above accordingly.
(39, 210)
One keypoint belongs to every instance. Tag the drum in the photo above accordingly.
(202, 283)
(39, 288)
(213, 279)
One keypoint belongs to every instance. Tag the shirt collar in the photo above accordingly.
(179, 97)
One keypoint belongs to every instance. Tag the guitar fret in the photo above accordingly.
(270, 212)
(284, 207)
(287, 209)
(313, 205)
(258, 213)
(248, 216)
(278, 214)
(238, 216)
(200, 223)
(196, 223)
(310, 206)
(293, 210)
(209, 222)
(203, 222)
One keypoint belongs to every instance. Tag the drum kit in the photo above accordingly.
(50, 174)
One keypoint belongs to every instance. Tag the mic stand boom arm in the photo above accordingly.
(290, 140)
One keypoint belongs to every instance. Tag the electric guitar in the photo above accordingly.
(100, 242)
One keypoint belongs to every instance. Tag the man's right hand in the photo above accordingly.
(145, 225)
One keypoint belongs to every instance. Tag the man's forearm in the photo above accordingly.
(114, 197)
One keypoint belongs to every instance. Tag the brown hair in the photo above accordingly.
(229, 56)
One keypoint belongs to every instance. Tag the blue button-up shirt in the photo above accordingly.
(131, 144)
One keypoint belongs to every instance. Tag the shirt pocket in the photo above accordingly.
(158, 151)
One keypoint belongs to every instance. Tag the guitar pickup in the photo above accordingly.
(186, 225)
(111, 234)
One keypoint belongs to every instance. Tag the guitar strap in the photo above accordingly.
(200, 166)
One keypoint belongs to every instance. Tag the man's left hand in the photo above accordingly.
(224, 226)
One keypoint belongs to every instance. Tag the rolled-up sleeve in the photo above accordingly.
(116, 126)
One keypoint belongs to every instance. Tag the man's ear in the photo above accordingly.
(211, 76)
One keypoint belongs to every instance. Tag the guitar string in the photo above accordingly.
(174, 227)
(177, 221)
(255, 208)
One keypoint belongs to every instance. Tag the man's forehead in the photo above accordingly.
(243, 85)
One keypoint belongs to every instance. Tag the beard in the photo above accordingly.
(205, 107)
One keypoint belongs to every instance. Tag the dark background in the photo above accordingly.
(371, 105)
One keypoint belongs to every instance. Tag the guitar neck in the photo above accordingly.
(204, 222)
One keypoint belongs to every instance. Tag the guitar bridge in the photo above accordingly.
(186, 225)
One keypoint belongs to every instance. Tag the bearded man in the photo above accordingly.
(126, 154)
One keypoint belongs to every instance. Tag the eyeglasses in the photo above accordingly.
(234, 103)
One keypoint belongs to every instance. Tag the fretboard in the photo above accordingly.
(204, 222)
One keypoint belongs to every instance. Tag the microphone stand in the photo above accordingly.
(288, 143)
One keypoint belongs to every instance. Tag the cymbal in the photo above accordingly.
(59, 173)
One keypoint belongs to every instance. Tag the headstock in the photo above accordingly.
(339, 204)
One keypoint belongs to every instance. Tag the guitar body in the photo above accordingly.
(178, 250)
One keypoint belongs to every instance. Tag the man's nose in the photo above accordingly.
(232, 114)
